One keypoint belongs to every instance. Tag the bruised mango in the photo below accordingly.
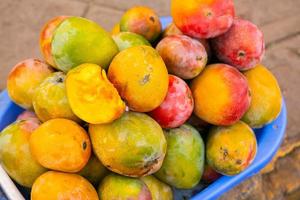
(141, 77)
(57, 185)
(124, 40)
(67, 42)
(133, 145)
(231, 149)
(221, 94)
(184, 162)
(23, 80)
(15, 156)
(203, 19)
(158, 189)
(91, 96)
(61, 144)
(50, 99)
(94, 171)
(266, 97)
(119, 187)
(143, 21)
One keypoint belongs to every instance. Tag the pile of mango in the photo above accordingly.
(126, 112)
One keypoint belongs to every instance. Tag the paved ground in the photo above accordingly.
(21, 20)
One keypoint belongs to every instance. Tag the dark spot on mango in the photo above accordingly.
(84, 145)
(152, 19)
(145, 79)
(241, 54)
(209, 14)
(238, 162)
(198, 58)
(60, 80)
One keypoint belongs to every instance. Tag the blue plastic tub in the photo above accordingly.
(269, 139)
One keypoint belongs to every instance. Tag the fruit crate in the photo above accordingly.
(269, 139)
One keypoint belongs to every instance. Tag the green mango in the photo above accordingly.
(125, 40)
(184, 162)
(78, 40)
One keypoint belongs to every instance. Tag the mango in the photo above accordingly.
(116, 29)
(266, 97)
(94, 171)
(50, 99)
(158, 189)
(231, 149)
(140, 76)
(23, 80)
(221, 95)
(57, 185)
(119, 187)
(133, 145)
(184, 57)
(67, 42)
(177, 106)
(61, 145)
(209, 174)
(27, 114)
(173, 30)
(242, 46)
(203, 19)
(91, 96)
(184, 162)
(15, 155)
(143, 21)
(124, 40)
(46, 37)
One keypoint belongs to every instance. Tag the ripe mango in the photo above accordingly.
(133, 145)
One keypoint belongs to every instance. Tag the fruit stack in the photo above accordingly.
(126, 111)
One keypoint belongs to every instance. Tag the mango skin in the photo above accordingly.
(94, 171)
(133, 145)
(57, 185)
(242, 46)
(231, 149)
(143, 21)
(140, 76)
(50, 99)
(184, 162)
(158, 189)
(78, 40)
(91, 96)
(203, 19)
(221, 95)
(124, 40)
(116, 29)
(266, 97)
(15, 155)
(61, 145)
(119, 187)
(23, 80)
(46, 37)
(184, 57)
